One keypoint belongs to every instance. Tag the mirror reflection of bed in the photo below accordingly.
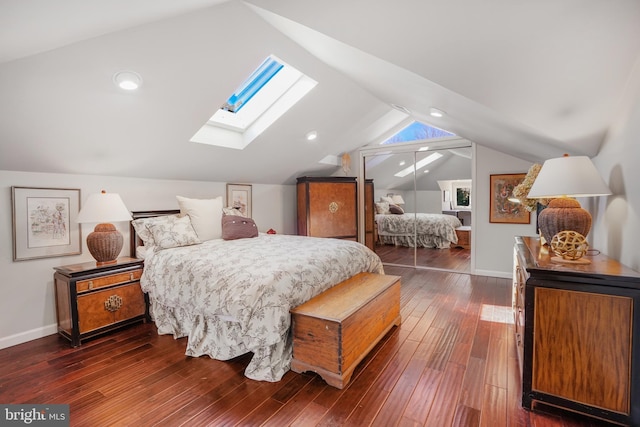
(422, 205)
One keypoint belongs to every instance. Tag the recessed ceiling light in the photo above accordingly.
(127, 80)
(434, 112)
(402, 163)
(312, 135)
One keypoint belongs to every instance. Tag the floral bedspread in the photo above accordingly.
(433, 230)
(233, 297)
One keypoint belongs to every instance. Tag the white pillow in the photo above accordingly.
(387, 199)
(174, 232)
(205, 214)
(232, 211)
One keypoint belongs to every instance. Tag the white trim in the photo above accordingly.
(27, 336)
(500, 274)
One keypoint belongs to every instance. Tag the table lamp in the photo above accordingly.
(561, 179)
(105, 242)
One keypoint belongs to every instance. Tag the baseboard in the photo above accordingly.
(26, 336)
(490, 273)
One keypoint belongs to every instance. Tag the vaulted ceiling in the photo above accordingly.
(533, 79)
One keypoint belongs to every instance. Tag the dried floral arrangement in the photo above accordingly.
(521, 190)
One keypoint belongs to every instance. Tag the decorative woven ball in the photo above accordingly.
(569, 244)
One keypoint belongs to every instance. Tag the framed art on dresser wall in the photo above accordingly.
(503, 208)
(239, 197)
(44, 222)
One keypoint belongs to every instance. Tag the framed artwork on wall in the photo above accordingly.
(44, 222)
(239, 197)
(503, 209)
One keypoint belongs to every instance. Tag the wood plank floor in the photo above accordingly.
(457, 259)
(452, 362)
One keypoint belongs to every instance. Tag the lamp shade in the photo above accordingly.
(568, 176)
(103, 207)
(105, 243)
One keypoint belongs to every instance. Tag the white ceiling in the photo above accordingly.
(533, 79)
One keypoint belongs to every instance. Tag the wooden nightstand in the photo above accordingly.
(464, 237)
(91, 299)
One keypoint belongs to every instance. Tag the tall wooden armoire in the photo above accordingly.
(328, 207)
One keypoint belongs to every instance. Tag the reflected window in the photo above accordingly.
(417, 131)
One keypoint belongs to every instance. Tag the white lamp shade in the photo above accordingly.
(568, 176)
(103, 208)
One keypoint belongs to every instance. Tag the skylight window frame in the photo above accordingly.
(237, 130)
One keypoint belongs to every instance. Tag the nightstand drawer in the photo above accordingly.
(113, 279)
(104, 308)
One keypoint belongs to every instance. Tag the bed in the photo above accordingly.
(431, 230)
(232, 297)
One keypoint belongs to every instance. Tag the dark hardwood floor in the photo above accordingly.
(452, 362)
(457, 259)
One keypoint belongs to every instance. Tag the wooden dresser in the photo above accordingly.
(578, 333)
(91, 299)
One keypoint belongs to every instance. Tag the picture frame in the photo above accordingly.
(44, 222)
(239, 197)
(502, 208)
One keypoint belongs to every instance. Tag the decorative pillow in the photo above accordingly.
(396, 210)
(205, 216)
(175, 232)
(141, 225)
(382, 208)
(238, 227)
(232, 211)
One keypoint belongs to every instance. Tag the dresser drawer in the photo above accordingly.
(113, 279)
(109, 306)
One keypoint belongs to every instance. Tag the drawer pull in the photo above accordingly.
(90, 284)
(113, 303)
(333, 207)
(130, 276)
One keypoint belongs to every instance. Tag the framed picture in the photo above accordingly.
(44, 222)
(239, 197)
(503, 208)
(463, 197)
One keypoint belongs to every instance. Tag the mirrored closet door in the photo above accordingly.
(422, 204)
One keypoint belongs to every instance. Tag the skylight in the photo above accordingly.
(417, 131)
(256, 81)
(258, 102)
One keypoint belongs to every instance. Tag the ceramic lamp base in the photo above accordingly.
(105, 243)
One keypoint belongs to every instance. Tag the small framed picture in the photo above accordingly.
(44, 222)
(239, 197)
(503, 207)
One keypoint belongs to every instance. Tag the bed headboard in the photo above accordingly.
(135, 241)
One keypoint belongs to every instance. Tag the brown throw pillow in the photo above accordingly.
(396, 210)
(238, 227)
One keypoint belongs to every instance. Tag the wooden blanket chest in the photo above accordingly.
(335, 330)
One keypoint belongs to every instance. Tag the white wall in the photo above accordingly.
(27, 306)
(492, 243)
(616, 218)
